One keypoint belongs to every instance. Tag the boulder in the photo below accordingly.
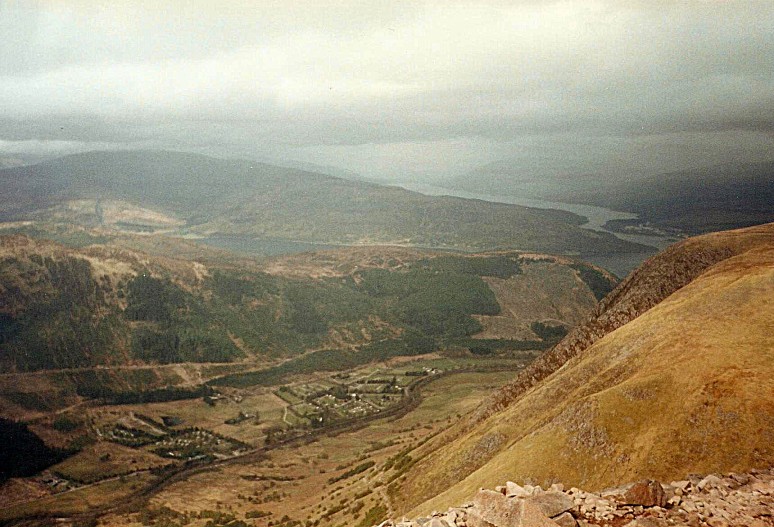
(741, 479)
(475, 520)
(532, 516)
(710, 482)
(682, 485)
(552, 503)
(492, 509)
(646, 522)
(514, 490)
(647, 493)
(565, 520)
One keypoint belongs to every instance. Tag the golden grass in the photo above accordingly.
(686, 387)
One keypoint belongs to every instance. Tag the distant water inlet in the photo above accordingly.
(619, 263)
(596, 219)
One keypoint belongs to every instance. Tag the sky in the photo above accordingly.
(395, 90)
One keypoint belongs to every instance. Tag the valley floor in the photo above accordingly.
(337, 474)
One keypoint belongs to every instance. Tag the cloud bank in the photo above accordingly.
(420, 87)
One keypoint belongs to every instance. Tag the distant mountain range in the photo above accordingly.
(177, 193)
(694, 201)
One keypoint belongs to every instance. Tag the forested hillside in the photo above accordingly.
(104, 305)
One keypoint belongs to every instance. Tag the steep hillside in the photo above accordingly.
(185, 193)
(672, 375)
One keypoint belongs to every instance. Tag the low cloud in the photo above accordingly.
(352, 82)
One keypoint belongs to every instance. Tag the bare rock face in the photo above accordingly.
(646, 493)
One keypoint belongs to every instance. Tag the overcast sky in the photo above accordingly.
(395, 90)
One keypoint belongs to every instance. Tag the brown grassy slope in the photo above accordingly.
(684, 387)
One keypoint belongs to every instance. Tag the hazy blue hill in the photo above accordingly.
(535, 178)
(175, 180)
(694, 200)
(238, 197)
(699, 200)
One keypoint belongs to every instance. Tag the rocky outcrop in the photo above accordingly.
(711, 501)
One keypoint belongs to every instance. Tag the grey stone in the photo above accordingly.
(740, 479)
(646, 522)
(710, 482)
(492, 508)
(682, 485)
(475, 520)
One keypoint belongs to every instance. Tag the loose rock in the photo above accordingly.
(647, 493)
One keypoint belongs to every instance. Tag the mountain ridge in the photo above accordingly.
(700, 200)
(560, 407)
(693, 200)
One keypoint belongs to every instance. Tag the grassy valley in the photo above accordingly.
(136, 366)
(357, 384)
(102, 305)
(397, 264)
